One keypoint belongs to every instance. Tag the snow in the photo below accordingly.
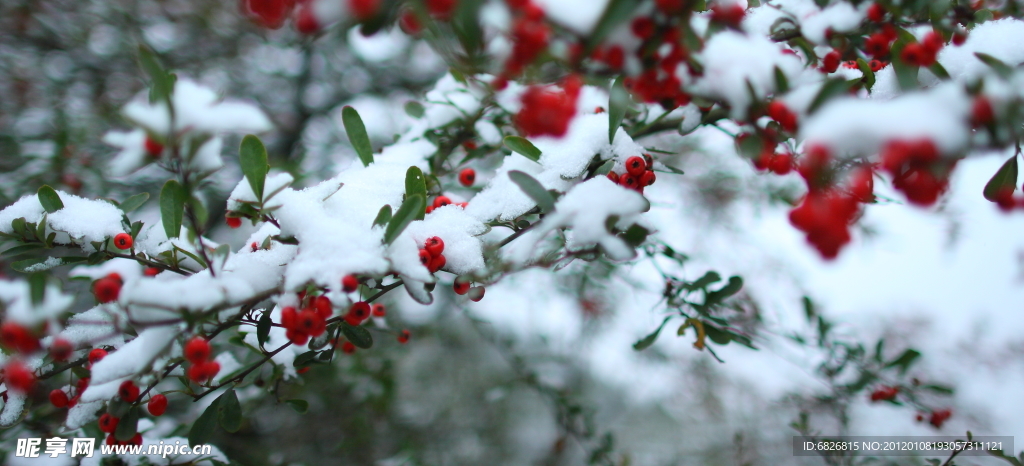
(723, 79)
(84, 220)
(852, 126)
(463, 250)
(997, 38)
(13, 408)
(135, 356)
(17, 302)
(580, 16)
(272, 185)
(95, 327)
(502, 199)
(132, 155)
(569, 156)
(196, 108)
(838, 17)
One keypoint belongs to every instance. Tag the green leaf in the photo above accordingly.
(939, 71)
(997, 65)
(717, 335)
(707, 279)
(1004, 179)
(412, 206)
(466, 25)
(357, 134)
(906, 74)
(415, 184)
(301, 406)
(522, 146)
(905, 360)
(649, 340)
(734, 286)
(134, 202)
(22, 249)
(614, 14)
(49, 199)
(865, 69)
(383, 216)
(831, 88)
(414, 109)
(809, 310)
(161, 82)
(172, 207)
(781, 83)
(263, 328)
(635, 235)
(534, 189)
(37, 287)
(230, 412)
(253, 158)
(358, 335)
(203, 427)
(940, 389)
(128, 425)
(618, 103)
(305, 359)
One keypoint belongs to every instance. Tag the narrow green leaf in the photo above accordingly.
(37, 287)
(1005, 179)
(522, 146)
(614, 14)
(263, 328)
(649, 340)
(618, 103)
(300, 406)
(534, 189)
(708, 278)
(809, 310)
(939, 71)
(905, 360)
(906, 74)
(358, 335)
(997, 65)
(940, 389)
(134, 202)
(717, 335)
(414, 109)
(128, 425)
(203, 427)
(383, 216)
(412, 206)
(305, 359)
(357, 134)
(781, 83)
(22, 249)
(161, 82)
(635, 235)
(49, 199)
(734, 286)
(831, 88)
(415, 184)
(230, 412)
(253, 158)
(172, 207)
(869, 76)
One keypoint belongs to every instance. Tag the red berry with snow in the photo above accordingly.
(363, 10)
(128, 391)
(467, 177)
(476, 293)
(460, 288)
(441, 201)
(546, 111)
(123, 241)
(106, 289)
(157, 405)
(96, 356)
(58, 398)
(349, 283)
(61, 349)
(636, 166)
(18, 338)
(197, 350)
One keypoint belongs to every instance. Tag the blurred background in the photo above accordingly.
(542, 371)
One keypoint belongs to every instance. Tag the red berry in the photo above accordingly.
(933, 42)
(197, 350)
(434, 245)
(128, 391)
(959, 38)
(939, 417)
(643, 27)
(364, 9)
(349, 283)
(981, 112)
(204, 371)
(108, 423)
(877, 45)
(135, 440)
(17, 337)
(157, 405)
(545, 111)
(614, 177)
(359, 312)
(670, 7)
(233, 222)
(83, 383)
(476, 293)
(830, 63)
(311, 323)
(460, 288)
(629, 181)
(781, 164)
(876, 13)
(441, 9)
(58, 398)
(425, 258)
(779, 112)
(436, 263)
(862, 185)
(297, 337)
(123, 241)
(305, 21)
(378, 310)
(615, 57)
(106, 289)
(403, 337)
(410, 23)
(323, 307)
(96, 356)
(268, 13)
(728, 15)
(154, 148)
(61, 349)
(348, 347)
(648, 178)
(917, 55)
(441, 201)
(467, 177)
(151, 271)
(636, 166)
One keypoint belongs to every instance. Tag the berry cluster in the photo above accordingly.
(786, 118)
(923, 53)
(197, 351)
(16, 337)
(441, 201)
(311, 321)
(431, 254)
(546, 111)
(661, 55)
(885, 393)
(638, 174)
(916, 169)
(530, 36)
(108, 424)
